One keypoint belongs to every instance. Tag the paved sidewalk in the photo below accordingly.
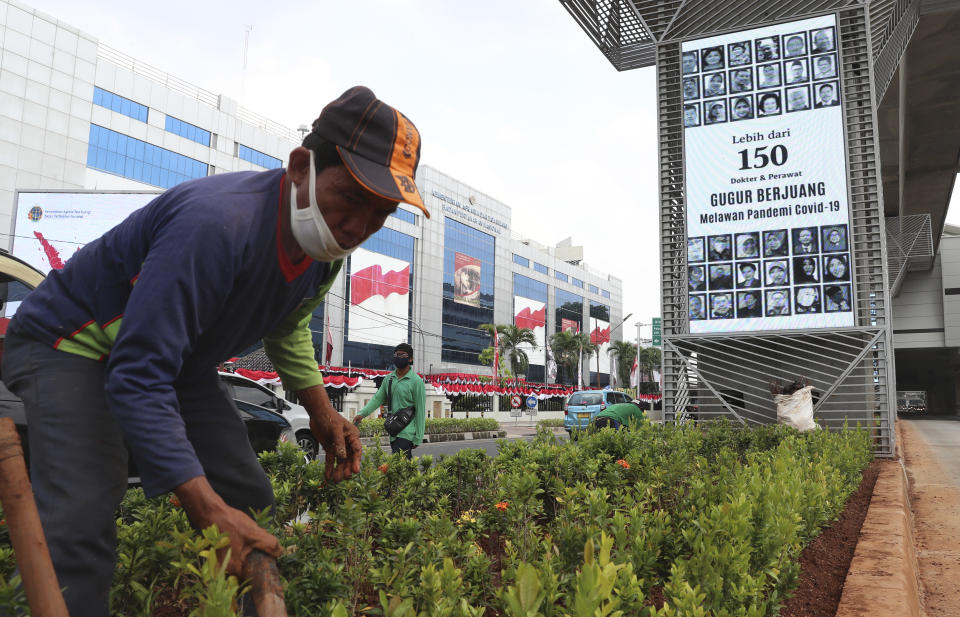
(931, 456)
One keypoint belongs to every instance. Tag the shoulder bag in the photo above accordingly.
(397, 420)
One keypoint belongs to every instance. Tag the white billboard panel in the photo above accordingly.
(49, 227)
(379, 298)
(531, 314)
(768, 225)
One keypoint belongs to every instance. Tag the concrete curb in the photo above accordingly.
(884, 580)
(440, 437)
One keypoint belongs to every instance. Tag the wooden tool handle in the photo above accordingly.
(265, 586)
(26, 534)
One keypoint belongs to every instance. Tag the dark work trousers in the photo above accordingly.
(78, 461)
(402, 446)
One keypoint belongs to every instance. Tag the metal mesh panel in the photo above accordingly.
(657, 14)
(909, 247)
(730, 377)
(699, 18)
(616, 30)
(890, 41)
(727, 375)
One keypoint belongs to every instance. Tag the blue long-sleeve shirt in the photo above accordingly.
(188, 281)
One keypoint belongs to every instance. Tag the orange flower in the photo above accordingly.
(623, 464)
(174, 501)
(383, 468)
(502, 506)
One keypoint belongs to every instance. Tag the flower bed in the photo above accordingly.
(655, 521)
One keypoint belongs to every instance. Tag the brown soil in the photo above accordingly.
(824, 563)
(935, 502)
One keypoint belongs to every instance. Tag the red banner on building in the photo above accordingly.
(569, 325)
(466, 279)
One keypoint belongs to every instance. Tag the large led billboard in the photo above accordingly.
(379, 298)
(49, 227)
(531, 314)
(600, 336)
(768, 225)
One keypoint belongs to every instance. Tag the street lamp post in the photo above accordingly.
(598, 347)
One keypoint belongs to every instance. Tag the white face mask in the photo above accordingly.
(309, 227)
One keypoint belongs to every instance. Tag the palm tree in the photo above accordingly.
(649, 361)
(512, 341)
(486, 356)
(624, 352)
(566, 348)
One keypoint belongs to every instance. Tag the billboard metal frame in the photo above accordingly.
(711, 376)
(729, 375)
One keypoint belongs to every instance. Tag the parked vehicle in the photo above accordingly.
(265, 427)
(583, 406)
(247, 390)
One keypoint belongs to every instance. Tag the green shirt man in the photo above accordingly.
(620, 414)
(406, 390)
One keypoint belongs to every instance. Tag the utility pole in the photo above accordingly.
(246, 48)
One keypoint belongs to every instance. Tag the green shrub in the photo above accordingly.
(551, 423)
(713, 517)
(435, 426)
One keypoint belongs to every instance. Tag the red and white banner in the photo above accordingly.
(466, 279)
(569, 325)
(600, 335)
(531, 314)
(379, 298)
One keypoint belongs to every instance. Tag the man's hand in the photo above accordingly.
(204, 508)
(357, 420)
(341, 444)
(339, 438)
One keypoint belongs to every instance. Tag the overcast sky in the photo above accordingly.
(510, 97)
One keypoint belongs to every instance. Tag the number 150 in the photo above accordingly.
(777, 156)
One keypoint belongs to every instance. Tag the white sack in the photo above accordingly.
(796, 409)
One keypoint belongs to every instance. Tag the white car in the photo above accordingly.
(249, 391)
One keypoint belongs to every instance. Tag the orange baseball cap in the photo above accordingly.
(378, 144)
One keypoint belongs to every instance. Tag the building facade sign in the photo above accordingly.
(467, 212)
(768, 225)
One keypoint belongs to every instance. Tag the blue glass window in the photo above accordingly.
(403, 215)
(576, 282)
(560, 275)
(599, 311)
(187, 130)
(463, 340)
(371, 355)
(526, 287)
(258, 158)
(522, 261)
(125, 156)
(568, 306)
(594, 289)
(604, 293)
(119, 104)
(541, 268)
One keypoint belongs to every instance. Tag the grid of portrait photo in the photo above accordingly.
(755, 78)
(769, 273)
